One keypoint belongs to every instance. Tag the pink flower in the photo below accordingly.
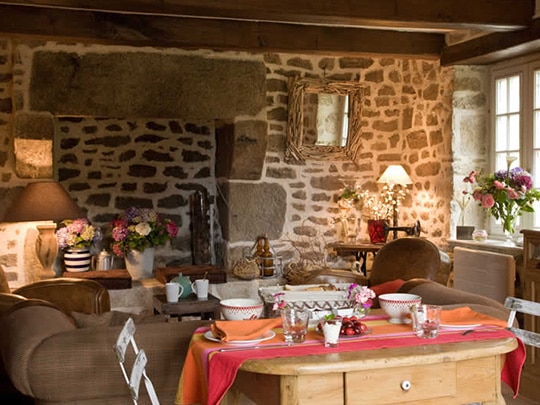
(487, 201)
(172, 229)
(471, 178)
(512, 194)
(498, 185)
(477, 195)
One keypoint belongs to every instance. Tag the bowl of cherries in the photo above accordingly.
(350, 326)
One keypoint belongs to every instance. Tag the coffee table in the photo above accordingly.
(207, 309)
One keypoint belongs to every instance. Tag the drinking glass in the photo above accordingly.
(426, 320)
(295, 324)
(331, 329)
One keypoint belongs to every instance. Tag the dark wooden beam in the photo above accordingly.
(494, 47)
(191, 33)
(410, 14)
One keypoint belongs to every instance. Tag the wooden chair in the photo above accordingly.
(138, 369)
(516, 305)
(486, 273)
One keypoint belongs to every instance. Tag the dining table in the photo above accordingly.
(388, 364)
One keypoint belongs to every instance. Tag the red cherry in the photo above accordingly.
(363, 328)
(349, 331)
(353, 318)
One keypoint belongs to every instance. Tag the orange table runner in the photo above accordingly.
(208, 372)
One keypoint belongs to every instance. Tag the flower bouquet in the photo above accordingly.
(505, 194)
(75, 236)
(362, 297)
(139, 229)
(77, 233)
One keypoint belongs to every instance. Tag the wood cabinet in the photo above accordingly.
(530, 289)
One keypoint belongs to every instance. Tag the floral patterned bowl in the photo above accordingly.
(398, 306)
(236, 309)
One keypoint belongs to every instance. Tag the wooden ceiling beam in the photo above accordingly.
(493, 48)
(401, 14)
(191, 33)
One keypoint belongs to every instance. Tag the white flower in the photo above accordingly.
(143, 228)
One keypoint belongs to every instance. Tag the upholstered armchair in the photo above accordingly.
(69, 294)
(408, 258)
(404, 258)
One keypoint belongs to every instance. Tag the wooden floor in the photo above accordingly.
(520, 400)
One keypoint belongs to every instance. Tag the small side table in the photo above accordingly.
(359, 249)
(208, 309)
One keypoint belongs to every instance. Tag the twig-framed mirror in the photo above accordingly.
(323, 120)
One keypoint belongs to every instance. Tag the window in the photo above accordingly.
(515, 123)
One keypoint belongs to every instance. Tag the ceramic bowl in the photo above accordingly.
(236, 309)
(397, 306)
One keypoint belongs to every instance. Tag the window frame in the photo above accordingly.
(525, 68)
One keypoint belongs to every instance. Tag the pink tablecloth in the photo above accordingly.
(209, 373)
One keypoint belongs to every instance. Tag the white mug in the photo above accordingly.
(200, 287)
(173, 291)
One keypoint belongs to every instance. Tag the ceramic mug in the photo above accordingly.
(173, 291)
(200, 287)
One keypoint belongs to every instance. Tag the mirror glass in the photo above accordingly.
(326, 119)
(323, 120)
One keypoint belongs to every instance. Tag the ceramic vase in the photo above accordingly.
(77, 259)
(140, 265)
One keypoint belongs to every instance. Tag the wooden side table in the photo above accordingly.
(359, 249)
(207, 309)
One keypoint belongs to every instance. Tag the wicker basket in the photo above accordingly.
(246, 269)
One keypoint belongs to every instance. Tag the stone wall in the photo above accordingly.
(127, 156)
(470, 140)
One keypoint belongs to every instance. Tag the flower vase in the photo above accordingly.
(140, 265)
(508, 238)
(377, 230)
(77, 259)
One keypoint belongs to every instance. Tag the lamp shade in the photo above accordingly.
(395, 174)
(42, 201)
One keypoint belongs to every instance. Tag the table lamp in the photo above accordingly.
(43, 201)
(395, 177)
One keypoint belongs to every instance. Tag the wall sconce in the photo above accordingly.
(44, 201)
(395, 177)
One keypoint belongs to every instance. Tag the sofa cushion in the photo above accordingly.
(388, 287)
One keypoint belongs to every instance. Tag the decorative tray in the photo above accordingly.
(309, 296)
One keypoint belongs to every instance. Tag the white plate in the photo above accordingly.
(267, 336)
(475, 325)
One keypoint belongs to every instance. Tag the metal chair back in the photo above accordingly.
(518, 305)
(125, 338)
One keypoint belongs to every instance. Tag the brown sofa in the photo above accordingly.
(48, 357)
(64, 294)
(56, 345)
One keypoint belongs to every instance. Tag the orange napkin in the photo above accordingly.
(243, 330)
(466, 316)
